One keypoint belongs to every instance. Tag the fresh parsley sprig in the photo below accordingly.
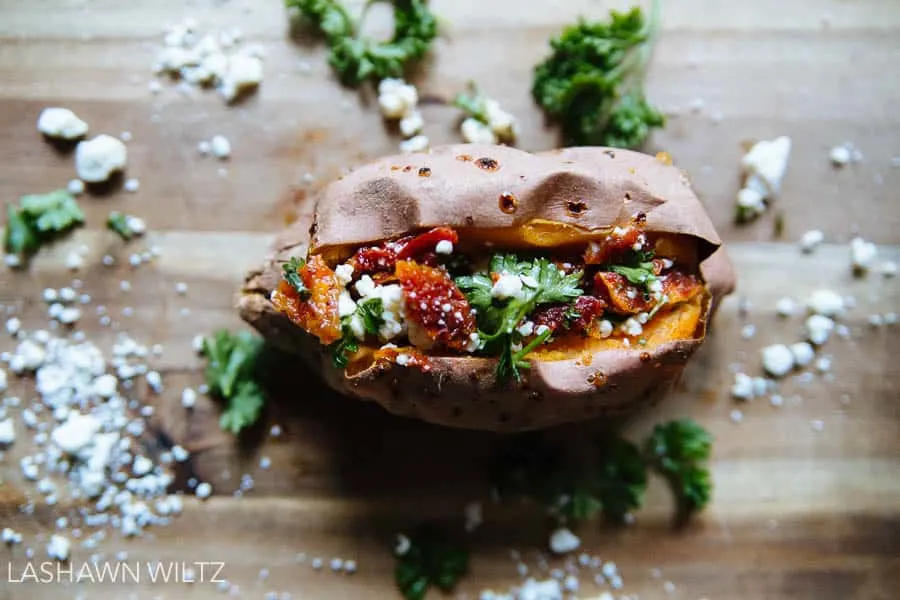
(543, 283)
(614, 479)
(38, 219)
(356, 58)
(370, 311)
(432, 558)
(231, 376)
(592, 82)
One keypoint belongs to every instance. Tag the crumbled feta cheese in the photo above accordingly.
(344, 273)
(862, 254)
(7, 432)
(606, 328)
(742, 388)
(244, 73)
(777, 360)
(203, 490)
(220, 146)
(632, 327)
(396, 98)
(358, 326)
(811, 240)
(188, 397)
(403, 545)
(803, 353)
(818, 329)
(402, 359)
(888, 269)
(444, 247)
(786, 307)
(69, 315)
(59, 547)
(132, 185)
(76, 432)
(418, 143)
(507, 286)
(61, 123)
(346, 305)
(526, 328)
(843, 154)
(98, 158)
(75, 187)
(502, 123)
(105, 385)
(764, 166)
(3, 380)
(474, 131)
(10, 536)
(826, 302)
(563, 541)
(748, 331)
(13, 325)
(411, 124)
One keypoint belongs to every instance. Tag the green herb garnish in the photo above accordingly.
(231, 376)
(679, 450)
(431, 559)
(357, 59)
(39, 218)
(370, 311)
(291, 274)
(471, 103)
(498, 319)
(592, 83)
(121, 225)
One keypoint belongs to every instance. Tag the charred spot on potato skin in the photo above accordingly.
(508, 202)
(627, 196)
(645, 356)
(424, 172)
(470, 221)
(464, 158)
(536, 397)
(488, 164)
(640, 218)
(576, 208)
(407, 168)
(610, 153)
(597, 379)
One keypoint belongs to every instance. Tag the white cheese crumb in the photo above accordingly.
(777, 360)
(244, 73)
(474, 131)
(563, 541)
(843, 154)
(10, 536)
(204, 147)
(742, 388)
(403, 545)
(888, 269)
(411, 124)
(75, 433)
(402, 359)
(632, 327)
(818, 329)
(75, 187)
(181, 288)
(803, 353)
(98, 158)
(132, 185)
(786, 307)
(13, 325)
(74, 261)
(203, 490)
(507, 286)
(764, 167)
(344, 273)
(418, 143)
(396, 98)
(346, 305)
(358, 326)
(826, 302)
(61, 123)
(59, 547)
(862, 254)
(736, 416)
(811, 240)
(220, 146)
(817, 425)
(502, 123)
(7, 432)
(444, 247)
(606, 328)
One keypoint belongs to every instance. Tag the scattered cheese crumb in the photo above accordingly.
(862, 255)
(220, 147)
(826, 302)
(803, 353)
(418, 143)
(764, 166)
(563, 541)
(444, 247)
(777, 360)
(98, 158)
(811, 240)
(203, 490)
(59, 547)
(61, 123)
(7, 432)
(75, 187)
(818, 329)
(132, 185)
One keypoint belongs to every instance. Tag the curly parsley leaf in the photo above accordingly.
(592, 82)
(641, 275)
(291, 274)
(357, 59)
(621, 479)
(231, 376)
(471, 103)
(543, 283)
(679, 450)
(370, 311)
(39, 218)
(119, 224)
(432, 559)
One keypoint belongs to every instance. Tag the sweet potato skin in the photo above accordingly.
(586, 189)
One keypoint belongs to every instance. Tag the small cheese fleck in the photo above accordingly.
(7, 432)
(132, 185)
(418, 143)
(506, 286)
(862, 255)
(786, 307)
(411, 124)
(75, 187)
(344, 273)
(563, 541)
(777, 360)
(203, 490)
(98, 158)
(444, 247)
(742, 388)
(811, 240)
(474, 131)
(220, 146)
(59, 547)
(818, 329)
(61, 123)
(803, 353)
(826, 302)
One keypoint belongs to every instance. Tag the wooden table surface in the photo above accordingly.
(797, 513)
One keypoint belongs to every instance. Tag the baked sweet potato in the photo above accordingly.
(489, 288)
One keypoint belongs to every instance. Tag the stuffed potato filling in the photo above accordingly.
(434, 294)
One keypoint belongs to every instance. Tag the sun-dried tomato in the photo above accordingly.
(318, 313)
(426, 242)
(621, 296)
(436, 305)
(680, 287)
(554, 317)
(614, 247)
(384, 257)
